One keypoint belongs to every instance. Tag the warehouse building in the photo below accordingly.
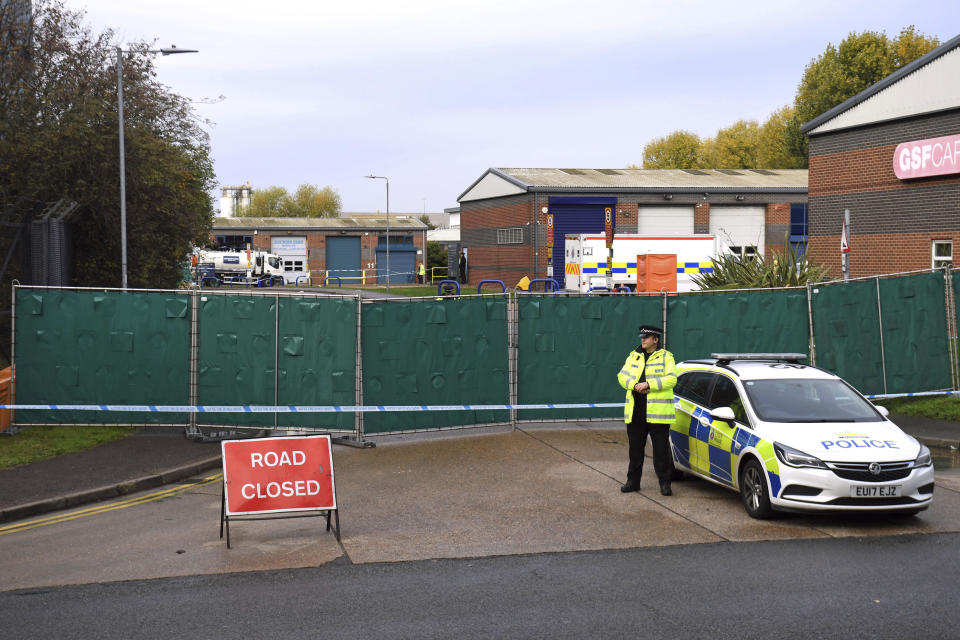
(353, 249)
(504, 213)
(891, 156)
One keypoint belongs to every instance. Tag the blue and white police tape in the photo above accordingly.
(917, 394)
(154, 408)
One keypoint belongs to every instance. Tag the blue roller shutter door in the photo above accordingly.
(343, 258)
(585, 216)
(403, 256)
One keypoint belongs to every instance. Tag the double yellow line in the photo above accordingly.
(112, 506)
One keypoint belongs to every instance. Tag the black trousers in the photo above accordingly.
(662, 459)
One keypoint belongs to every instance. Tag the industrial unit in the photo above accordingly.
(504, 214)
(352, 249)
(891, 156)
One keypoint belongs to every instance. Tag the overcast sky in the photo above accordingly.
(430, 93)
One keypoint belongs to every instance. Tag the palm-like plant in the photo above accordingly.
(783, 269)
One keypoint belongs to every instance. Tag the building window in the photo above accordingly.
(942, 254)
(748, 251)
(234, 243)
(798, 228)
(513, 235)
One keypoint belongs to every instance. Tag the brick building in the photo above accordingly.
(352, 248)
(891, 155)
(503, 214)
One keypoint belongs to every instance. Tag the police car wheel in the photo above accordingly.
(753, 491)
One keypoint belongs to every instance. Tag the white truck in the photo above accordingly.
(249, 264)
(585, 259)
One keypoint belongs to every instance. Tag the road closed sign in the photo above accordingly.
(272, 475)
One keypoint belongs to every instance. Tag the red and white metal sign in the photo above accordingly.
(932, 157)
(272, 475)
(844, 238)
(550, 230)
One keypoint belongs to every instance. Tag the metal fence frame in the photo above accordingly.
(356, 436)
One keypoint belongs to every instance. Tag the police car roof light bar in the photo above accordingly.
(776, 357)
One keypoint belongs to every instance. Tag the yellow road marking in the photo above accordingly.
(112, 506)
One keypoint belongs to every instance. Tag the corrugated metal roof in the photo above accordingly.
(398, 223)
(657, 179)
(874, 89)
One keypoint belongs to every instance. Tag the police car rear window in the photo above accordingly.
(695, 386)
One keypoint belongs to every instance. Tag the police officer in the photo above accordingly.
(649, 375)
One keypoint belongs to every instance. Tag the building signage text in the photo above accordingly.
(932, 157)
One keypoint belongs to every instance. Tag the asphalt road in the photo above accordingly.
(883, 587)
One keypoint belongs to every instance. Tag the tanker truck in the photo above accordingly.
(228, 264)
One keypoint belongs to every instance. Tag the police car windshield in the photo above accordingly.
(808, 400)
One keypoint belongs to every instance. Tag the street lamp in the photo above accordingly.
(388, 224)
(123, 165)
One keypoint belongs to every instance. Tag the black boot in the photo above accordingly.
(630, 486)
(665, 489)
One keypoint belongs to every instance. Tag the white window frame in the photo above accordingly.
(511, 235)
(939, 262)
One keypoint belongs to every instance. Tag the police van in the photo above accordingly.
(792, 437)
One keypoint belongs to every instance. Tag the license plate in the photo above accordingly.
(874, 491)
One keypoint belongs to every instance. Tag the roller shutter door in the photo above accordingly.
(572, 218)
(665, 221)
(403, 258)
(343, 258)
(738, 226)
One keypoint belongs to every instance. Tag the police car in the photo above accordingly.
(792, 437)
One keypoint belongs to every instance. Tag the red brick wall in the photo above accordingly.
(701, 216)
(893, 221)
(876, 254)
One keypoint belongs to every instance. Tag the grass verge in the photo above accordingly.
(936, 407)
(40, 443)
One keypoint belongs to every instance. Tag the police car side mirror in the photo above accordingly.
(723, 413)
(882, 410)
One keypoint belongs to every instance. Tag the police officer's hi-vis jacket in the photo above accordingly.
(660, 374)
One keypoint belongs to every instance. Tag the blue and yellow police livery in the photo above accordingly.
(793, 437)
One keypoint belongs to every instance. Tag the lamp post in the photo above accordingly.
(123, 165)
(388, 224)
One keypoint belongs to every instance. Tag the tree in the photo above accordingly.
(425, 219)
(266, 203)
(736, 147)
(678, 150)
(59, 139)
(308, 201)
(774, 150)
(437, 255)
(839, 73)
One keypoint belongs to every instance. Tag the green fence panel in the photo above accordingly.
(236, 357)
(102, 347)
(434, 352)
(846, 325)
(571, 349)
(318, 360)
(915, 342)
(956, 328)
(773, 321)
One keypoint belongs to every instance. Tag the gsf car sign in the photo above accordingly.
(278, 474)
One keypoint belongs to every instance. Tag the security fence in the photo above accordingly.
(229, 362)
